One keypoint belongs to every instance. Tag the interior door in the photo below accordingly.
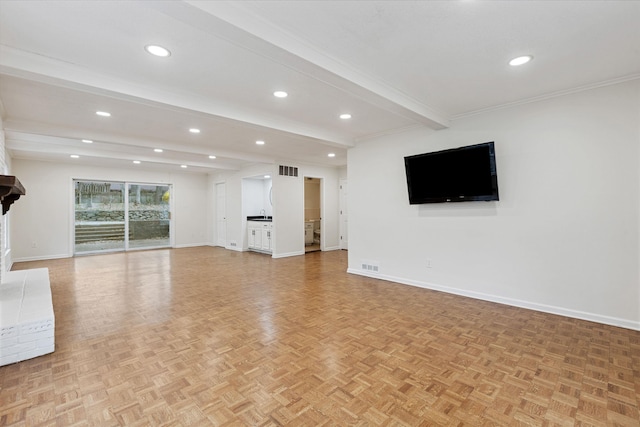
(221, 215)
(344, 217)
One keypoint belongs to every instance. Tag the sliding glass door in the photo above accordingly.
(99, 216)
(118, 216)
(149, 216)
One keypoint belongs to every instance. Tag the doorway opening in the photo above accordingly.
(312, 214)
(118, 216)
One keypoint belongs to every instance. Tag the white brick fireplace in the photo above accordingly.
(26, 307)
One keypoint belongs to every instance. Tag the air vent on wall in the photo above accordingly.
(371, 266)
(288, 170)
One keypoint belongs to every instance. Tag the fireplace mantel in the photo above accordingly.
(10, 190)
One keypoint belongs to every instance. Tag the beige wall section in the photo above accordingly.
(311, 199)
(42, 221)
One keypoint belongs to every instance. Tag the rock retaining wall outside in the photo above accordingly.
(118, 215)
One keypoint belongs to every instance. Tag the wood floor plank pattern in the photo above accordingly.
(209, 337)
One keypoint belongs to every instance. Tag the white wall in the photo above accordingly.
(44, 216)
(342, 173)
(5, 244)
(190, 207)
(288, 207)
(288, 216)
(255, 197)
(563, 238)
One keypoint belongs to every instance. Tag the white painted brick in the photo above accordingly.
(47, 333)
(7, 342)
(27, 323)
(31, 354)
(9, 359)
(26, 346)
(9, 331)
(46, 347)
(33, 328)
(10, 351)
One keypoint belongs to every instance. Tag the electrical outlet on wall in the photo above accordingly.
(34, 245)
(429, 263)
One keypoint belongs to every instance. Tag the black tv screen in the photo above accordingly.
(456, 175)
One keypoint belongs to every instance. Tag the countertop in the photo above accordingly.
(260, 218)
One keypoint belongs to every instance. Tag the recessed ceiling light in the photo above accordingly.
(260, 142)
(183, 166)
(267, 176)
(194, 130)
(212, 157)
(157, 50)
(331, 155)
(158, 150)
(137, 162)
(74, 156)
(520, 60)
(280, 94)
(345, 116)
(103, 113)
(87, 141)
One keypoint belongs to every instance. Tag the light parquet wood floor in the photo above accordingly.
(209, 337)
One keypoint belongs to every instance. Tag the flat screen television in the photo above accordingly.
(462, 174)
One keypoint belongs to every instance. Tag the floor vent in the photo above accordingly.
(288, 170)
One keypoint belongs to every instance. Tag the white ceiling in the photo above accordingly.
(391, 64)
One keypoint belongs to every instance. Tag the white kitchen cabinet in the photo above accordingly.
(260, 236)
(255, 236)
(267, 232)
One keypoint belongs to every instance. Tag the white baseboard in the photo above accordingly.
(190, 245)
(561, 311)
(234, 248)
(288, 254)
(41, 258)
(331, 248)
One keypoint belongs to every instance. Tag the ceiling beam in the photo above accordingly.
(277, 44)
(39, 132)
(30, 66)
(17, 140)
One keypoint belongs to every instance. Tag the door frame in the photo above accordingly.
(218, 238)
(343, 206)
(322, 203)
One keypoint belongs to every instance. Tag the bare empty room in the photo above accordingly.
(465, 252)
